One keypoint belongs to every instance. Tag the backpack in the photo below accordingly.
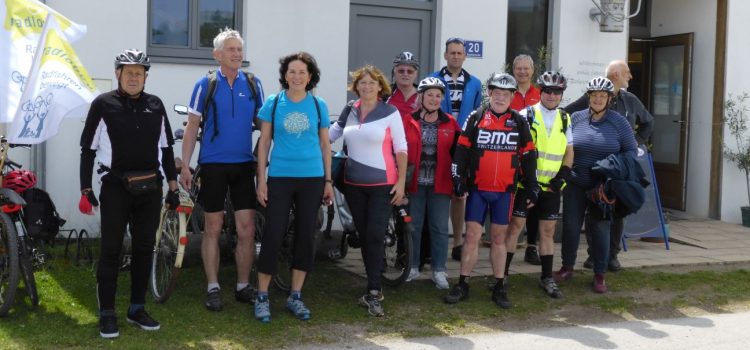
(40, 215)
(211, 90)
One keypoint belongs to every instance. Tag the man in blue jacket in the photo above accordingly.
(463, 95)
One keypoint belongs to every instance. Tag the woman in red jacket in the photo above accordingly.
(431, 136)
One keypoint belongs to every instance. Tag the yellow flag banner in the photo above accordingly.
(23, 21)
(58, 86)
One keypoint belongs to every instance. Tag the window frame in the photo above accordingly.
(193, 54)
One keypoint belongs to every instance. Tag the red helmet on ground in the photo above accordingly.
(19, 180)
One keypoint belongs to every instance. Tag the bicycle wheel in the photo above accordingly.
(164, 273)
(27, 269)
(398, 248)
(8, 263)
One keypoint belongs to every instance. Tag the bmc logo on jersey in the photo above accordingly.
(497, 138)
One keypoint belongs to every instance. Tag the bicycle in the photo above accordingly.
(397, 241)
(169, 248)
(20, 254)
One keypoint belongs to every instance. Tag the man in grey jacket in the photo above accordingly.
(629, 106)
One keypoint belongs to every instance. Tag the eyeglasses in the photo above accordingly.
(552, 91)
(405, 71)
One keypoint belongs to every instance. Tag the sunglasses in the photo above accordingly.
(552, 91)
(405, 71)
(454, 40)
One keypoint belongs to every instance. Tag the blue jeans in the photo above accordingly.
(437, 209)
(575, 208)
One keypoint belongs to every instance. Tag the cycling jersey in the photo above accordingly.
(371, 144)
(234, 108)
(126, 134)
(521, 101)
(491, 150)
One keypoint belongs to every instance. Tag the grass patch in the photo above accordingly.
(67, 315)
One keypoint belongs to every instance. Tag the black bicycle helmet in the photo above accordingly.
(430, 83)
(600, 84)
(132, 56)
(552, 79)
(406, 57)
(503, 81)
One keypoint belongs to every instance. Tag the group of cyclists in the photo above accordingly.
(431, 139)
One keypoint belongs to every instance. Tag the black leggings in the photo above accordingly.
(305, 193)
(120, 208)
(371, 208)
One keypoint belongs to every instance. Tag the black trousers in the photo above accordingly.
(118, 209)
(305, 193)
(371, 209)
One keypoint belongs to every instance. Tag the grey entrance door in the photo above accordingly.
(381, 29)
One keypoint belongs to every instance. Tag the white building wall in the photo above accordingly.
(733, 190)
(579, 48)
(485, 20)
(697, 16)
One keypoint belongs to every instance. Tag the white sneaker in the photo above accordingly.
(413, 274)
(441, 279)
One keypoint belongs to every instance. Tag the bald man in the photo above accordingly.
(629, 106)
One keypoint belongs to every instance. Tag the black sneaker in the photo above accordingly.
(141, 319)
(213, 300)
(245, 295)
(550, 287)
(589, 263)
(459, 292)
(614, 264)
(373, 304)
(456, 252)
(532, 256)
(492, 282)
(108, 324)
(500, 298)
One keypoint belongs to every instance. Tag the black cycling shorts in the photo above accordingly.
(547, 207)
(236, 178)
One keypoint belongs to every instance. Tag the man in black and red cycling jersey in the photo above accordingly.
(494, 148)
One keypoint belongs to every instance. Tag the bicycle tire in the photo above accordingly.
(83, 248)
(164, 273)
(9, 270)
(398, 250)
(27, 270)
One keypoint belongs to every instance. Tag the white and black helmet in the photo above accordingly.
(431, 83)
(406, 57)
(132, 56)
(552, 79)
(600, 84)
(503, 81)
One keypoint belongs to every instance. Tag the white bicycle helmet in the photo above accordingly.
(600, 84)
(430, 83)
(132, 56)
(503, 81)
(406, 57)
(552, 79)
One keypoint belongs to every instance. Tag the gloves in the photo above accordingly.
(88, 202)
(172, 199)
(556, 184)
(532, 194)
(459, 187)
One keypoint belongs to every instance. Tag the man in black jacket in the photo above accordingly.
(127, 130)
(630, 107)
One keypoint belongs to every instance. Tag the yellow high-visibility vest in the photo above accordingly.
(551, 148)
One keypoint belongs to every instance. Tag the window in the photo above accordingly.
(527, 31)
(183, 30)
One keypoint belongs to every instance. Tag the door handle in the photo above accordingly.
(678, 121)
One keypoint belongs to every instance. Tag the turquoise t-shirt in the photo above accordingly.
(296, 145)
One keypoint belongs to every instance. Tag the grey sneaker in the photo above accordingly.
(373, 304)
(213, 300)
(262, 309)
(550, 287)
(298, 308)
(441, 279)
